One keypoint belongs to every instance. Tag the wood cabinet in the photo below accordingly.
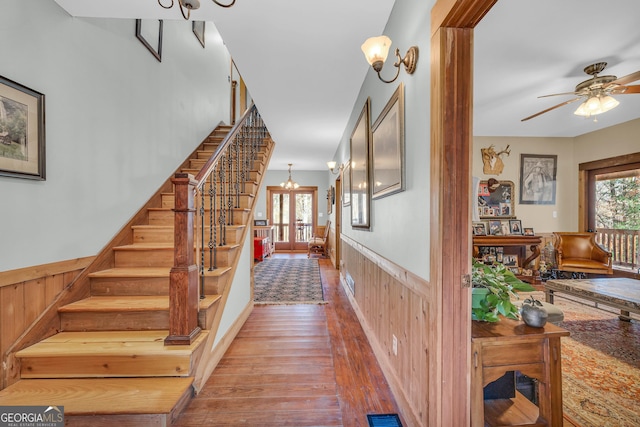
(510, 345)
(516, 245)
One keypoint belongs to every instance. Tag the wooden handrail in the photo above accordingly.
(211, 163)
(217, 187)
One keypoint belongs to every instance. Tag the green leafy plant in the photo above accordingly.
(502, 285)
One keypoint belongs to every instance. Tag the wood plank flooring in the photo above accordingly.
(296, 365)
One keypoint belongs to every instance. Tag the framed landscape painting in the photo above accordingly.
(22, 152)
(360, 145)
(388, 147)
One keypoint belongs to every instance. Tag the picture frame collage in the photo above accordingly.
(500, 227)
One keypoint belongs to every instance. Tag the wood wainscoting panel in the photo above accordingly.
(391, 301)
(24, 295)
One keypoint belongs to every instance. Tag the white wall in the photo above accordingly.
(400, 222)
(540, 217)
(118, 123)
(611, 142)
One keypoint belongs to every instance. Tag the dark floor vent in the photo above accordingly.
(384, 420)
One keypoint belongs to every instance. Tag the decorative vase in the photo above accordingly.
(533, 313)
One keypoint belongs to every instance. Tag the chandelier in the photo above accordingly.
(290, 184)
(190, 5)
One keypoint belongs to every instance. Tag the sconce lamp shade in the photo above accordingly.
(331, 165)
(376, 50)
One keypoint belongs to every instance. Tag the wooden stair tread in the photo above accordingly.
(109, 343)
(128, 303)
(133, 272)
(162, 246)
(107, 396)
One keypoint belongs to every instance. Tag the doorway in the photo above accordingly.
(293, 214)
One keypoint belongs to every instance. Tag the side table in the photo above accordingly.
(510, 345)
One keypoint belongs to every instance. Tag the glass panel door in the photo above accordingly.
(292, 214)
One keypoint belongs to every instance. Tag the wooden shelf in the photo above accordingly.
(518, 411)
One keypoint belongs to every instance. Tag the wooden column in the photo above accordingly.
(452, 23)
(183, 278)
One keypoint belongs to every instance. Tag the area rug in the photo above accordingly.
(600, 366)
(288, 281)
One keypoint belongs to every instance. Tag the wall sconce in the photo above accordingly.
(376, 50)
(332, 168)
(190, 5)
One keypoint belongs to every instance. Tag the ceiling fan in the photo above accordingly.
(596, 92)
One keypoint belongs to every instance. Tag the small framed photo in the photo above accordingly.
(528, 231)
(514, 270)
(506, 230)
(510, 260)
(149, 32)
(260, 222)
(495, 227)
(198, 29)
(479, 229)
(515, 226)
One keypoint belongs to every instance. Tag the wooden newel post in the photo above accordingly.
(183, 278)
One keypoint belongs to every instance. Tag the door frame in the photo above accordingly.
(451, 118)
(299, 246)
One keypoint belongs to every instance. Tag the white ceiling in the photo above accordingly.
(302, 62)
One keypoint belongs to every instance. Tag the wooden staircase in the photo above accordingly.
(108, 364)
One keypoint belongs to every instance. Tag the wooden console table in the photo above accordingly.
(510, 345)
(517, 245)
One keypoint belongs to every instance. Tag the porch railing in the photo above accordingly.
(205, 206)
(624, 246)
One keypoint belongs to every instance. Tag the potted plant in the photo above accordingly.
(493, 287)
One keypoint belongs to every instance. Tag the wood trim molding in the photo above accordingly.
(213, 358)
(449, 341)
(11, 277)
(412, 281)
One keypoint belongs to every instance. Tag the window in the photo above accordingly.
(611, 191)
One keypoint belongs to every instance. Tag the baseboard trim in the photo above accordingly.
(221, 348)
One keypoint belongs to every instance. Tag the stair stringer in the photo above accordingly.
(212, 355)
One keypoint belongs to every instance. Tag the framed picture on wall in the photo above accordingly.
(388, 147)
(360, 183)
(538, 179)
(149, 32)
(22, 152)
(198, 29)
(346, 184)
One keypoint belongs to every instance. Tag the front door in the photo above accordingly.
(292, 212)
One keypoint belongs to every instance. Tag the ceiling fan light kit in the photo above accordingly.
(595, 93)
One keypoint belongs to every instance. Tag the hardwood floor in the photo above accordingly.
(296, 365)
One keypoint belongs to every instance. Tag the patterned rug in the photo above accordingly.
(288, 281)
(600, 366)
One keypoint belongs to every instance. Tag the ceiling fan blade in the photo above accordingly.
(631, 89)
(630, 78)
(551, 108)
(557, 94)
